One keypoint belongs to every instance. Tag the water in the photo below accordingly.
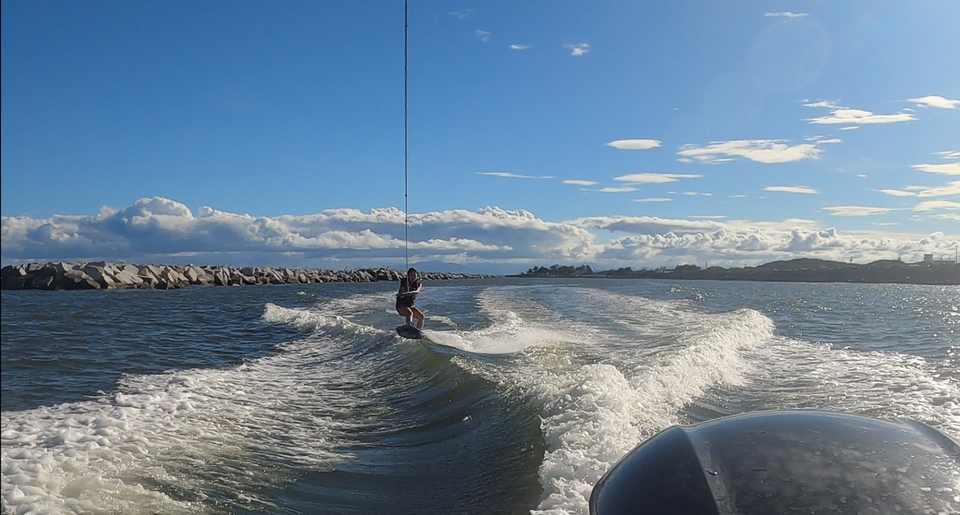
(301, 398)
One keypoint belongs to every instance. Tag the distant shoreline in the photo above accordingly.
(796, 270)
(101, 275)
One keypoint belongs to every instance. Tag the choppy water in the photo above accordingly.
(301, 398)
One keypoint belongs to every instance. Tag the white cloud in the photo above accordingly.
(785, 14)
(484, 35)
(634, 144)
(709, 217)
(828, 141)
(738, 196)
(653, 199)
(510, 175)
(766, 151)
(792, 189)
(579, 49)
(950, 154)
(897, 193)
(851, 128)
(620, 189)
(936, 101)
(697, 194)
(945, 169)
(950, 189)
(684, 160)
(946, 216)
(462, 13)
(857, 210)
(520, 47)
(158, 230)
(931, 205)
(578, 182)
(847, 116)
(862, 175)
(830, 104)
(655, 178)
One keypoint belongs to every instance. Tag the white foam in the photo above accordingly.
(593, 413)
(800, 374)
(157, 434)
(313, 319)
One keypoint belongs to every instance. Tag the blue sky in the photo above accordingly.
(610, 133)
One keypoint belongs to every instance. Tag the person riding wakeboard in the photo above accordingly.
(410, 286)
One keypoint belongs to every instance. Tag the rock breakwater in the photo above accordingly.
(115, 276)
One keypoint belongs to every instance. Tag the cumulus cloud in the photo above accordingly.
(854, 117)
(857, 210)
(944, 169)
(158, 230)
(792, 189)
(578, 182)
(578, 49)
(785, 14)
(653, 199)
(510, 175)
(520, 47)
(936, 101)
(766, 151)
(634, 144)
(655, 178)
(484, 35)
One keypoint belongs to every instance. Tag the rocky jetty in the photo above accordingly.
(116, 276)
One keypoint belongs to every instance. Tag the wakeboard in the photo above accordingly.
(410, 332)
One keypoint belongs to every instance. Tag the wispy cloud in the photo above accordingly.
(634, 144)
(858, 210)
(484, 35)
(828, 141)
(655, 178)
(950, 189)
(617, 189)
(931, 205)
(462, 14)
(510, 175)
(898, 193)
(741, 195)
(768, 151)
(785, 14)
(851, 128)
(950, 154)
(944, 169)
(936, 101)
(520, 47)
(792, 189)
(697, 194)
(578, 182)
(653, 199)
(578, 49)
(854, 117)
(862, 175)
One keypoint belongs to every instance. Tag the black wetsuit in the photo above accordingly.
(407, 300)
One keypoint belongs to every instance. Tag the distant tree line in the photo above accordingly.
(559, 271)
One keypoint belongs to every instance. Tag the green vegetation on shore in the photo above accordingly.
(794, 270)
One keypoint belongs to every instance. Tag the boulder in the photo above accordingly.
(78, 280)
(99, 275)
(126, 279)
